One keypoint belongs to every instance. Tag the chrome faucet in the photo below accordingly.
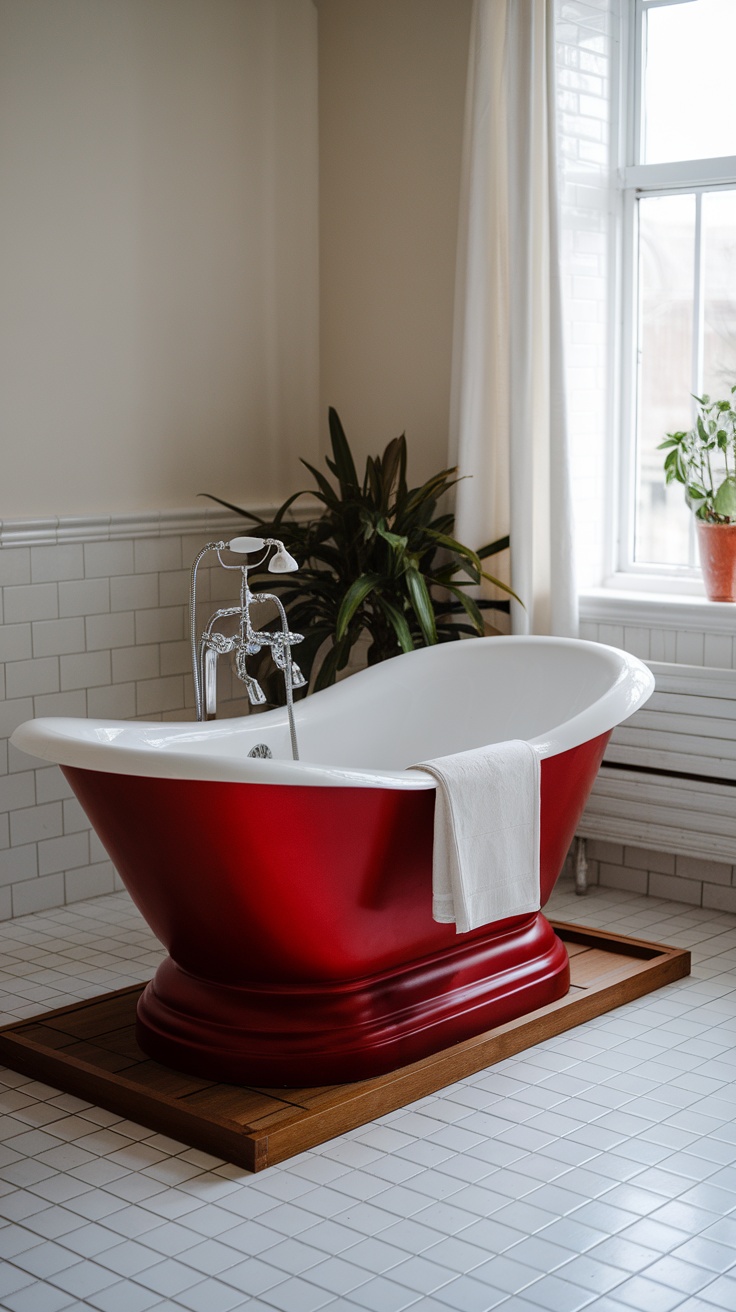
(247, 641)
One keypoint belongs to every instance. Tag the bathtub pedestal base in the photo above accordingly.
(338, 1032)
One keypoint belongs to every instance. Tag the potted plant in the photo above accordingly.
(703, 459)
(378, 564)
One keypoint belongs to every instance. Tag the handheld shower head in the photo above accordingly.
(241, 546)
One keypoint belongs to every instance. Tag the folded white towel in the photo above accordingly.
(486, 834)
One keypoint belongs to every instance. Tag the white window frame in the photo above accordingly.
(636, 180)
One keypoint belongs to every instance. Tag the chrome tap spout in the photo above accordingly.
(247, 641)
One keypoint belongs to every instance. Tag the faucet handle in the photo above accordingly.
(256, 695)
(297, 678)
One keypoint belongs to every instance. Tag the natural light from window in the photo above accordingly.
(688, 93)
(684, 255)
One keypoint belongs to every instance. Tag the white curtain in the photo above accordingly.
(509, 426)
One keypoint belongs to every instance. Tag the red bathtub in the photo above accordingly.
(294, 898)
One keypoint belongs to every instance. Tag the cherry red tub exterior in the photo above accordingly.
(297, 917)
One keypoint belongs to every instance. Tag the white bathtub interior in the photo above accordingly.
(555, 693)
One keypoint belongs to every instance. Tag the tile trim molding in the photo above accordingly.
(58, 531)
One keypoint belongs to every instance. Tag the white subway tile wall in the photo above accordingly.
(680, 878)
(681, 646)
(697, 881)
(91, 628)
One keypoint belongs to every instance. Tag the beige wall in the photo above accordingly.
(392, 86)
(158, 316)
(159, 308)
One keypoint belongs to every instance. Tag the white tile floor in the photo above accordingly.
(595, 1170)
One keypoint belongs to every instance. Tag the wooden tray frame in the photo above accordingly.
(89, 1050)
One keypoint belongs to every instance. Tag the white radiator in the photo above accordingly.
(668, 779)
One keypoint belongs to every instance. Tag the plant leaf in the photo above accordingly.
(469, 606)
(398, 622)
(344, 464)
(329, 495)
(493, 548)
(247, 514)
(398, 543)
(422, 603)
(431, 490)
(490, 578)
(354, 597)
(451, 544)
(391, 466)
(372, 480)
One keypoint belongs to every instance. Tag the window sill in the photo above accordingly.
(641, 609)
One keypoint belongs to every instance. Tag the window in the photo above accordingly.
(679, 258)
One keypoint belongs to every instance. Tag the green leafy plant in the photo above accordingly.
(703, 459)
(379, 560)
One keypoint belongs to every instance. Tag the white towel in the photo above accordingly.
(486, 834)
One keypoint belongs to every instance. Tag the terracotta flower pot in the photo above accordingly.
(717, 547)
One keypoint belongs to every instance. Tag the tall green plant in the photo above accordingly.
(379, 560)
(703, 459)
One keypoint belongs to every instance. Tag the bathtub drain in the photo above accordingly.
(261, 749)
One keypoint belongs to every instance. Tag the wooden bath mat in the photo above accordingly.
(90, 1050)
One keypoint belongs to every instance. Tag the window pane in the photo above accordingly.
(666, 276)
(719, 291)
(687, 94)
